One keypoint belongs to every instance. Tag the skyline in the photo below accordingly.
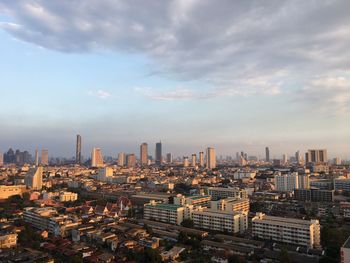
(235, 76)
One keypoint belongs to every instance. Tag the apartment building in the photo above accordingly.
(342, 184)
(47, 218)
(196, 200)
(220, 192)
(231, 204)
(216, 220)
(68, 196)
(287, 230)
(167, 213)
(314, 195)
(289, 182)
(7, 191)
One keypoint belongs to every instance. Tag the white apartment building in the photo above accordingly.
(289, 182)
(216, 220)
(167, 213)
(47, 218)
(196, 200)
(220, 192)
(287, 230)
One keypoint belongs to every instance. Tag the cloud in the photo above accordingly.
(327, 94)
(101, 94)
(227, 45)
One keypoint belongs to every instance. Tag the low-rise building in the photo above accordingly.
(7, 239)
(287, 230)
(220, 192)
(68, 196)
(7, 191)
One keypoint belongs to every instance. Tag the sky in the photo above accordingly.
(232, 74)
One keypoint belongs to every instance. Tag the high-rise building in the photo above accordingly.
(194, 160)
(298, 157)
(211, 158)
(201, 159)
(285, 159)
(96, 157)
(121, 159)
(131, 160)
(185, 161)
(1, 159)
(36, 157)
(169, 158)
(78, 150)
(44, 157)
(290, 182)
(316, 156)
(144, 154)
(34, 178)
(159, 153)
(267, 154)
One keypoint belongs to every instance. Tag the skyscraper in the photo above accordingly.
(44, 157)
(121, 159)
(201, 159)
(158, 153)
(169, 158)
(298, 157)
(78, 150)
(144, 154)
(36, 157)
(267, 154)
(131, 160)
(285, 159)
(34, 178)
(185, 161)
(1, 159)
(211, 158)
(194, 160)
(316, 156)
(96, 158)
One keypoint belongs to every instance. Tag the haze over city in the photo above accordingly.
(241, 75)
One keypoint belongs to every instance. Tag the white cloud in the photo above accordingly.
(101, 94)
(239, 47)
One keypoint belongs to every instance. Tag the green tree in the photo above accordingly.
(284, 256)
(187, 223)
(234, 259)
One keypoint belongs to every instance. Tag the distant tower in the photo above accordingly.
(201, 159)
(169, 158)
(185, 161)
(211, 158)
(44, 157)
(144, 154)
(1, 159)
(158, 153)
(194, 160)
(78, 150)
(121, 159)
(36, 157)
(131, 160)
(34, 178)
(298, 157)
(267, 154)
(96, 157)
(285, 159)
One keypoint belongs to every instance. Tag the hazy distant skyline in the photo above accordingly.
(235, 75)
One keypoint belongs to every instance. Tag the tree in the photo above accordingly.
(187, 223)
(234, 259)
(284, 256)
(150, 255)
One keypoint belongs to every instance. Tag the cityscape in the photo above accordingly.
(178, 131)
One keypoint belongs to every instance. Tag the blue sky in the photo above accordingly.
(236, 83)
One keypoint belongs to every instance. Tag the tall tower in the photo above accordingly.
(44, 157)
(194, 160)
(1, 159)
(159, 153)
(201, 159)
(169, 158)
(185, 161)
(36, 156)
(267, 154)
(96, 157)
(144, 154)
(121, 159)
(211, 158)
(34, 178)
(78, 150)
(298, 157)
(131, 160)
